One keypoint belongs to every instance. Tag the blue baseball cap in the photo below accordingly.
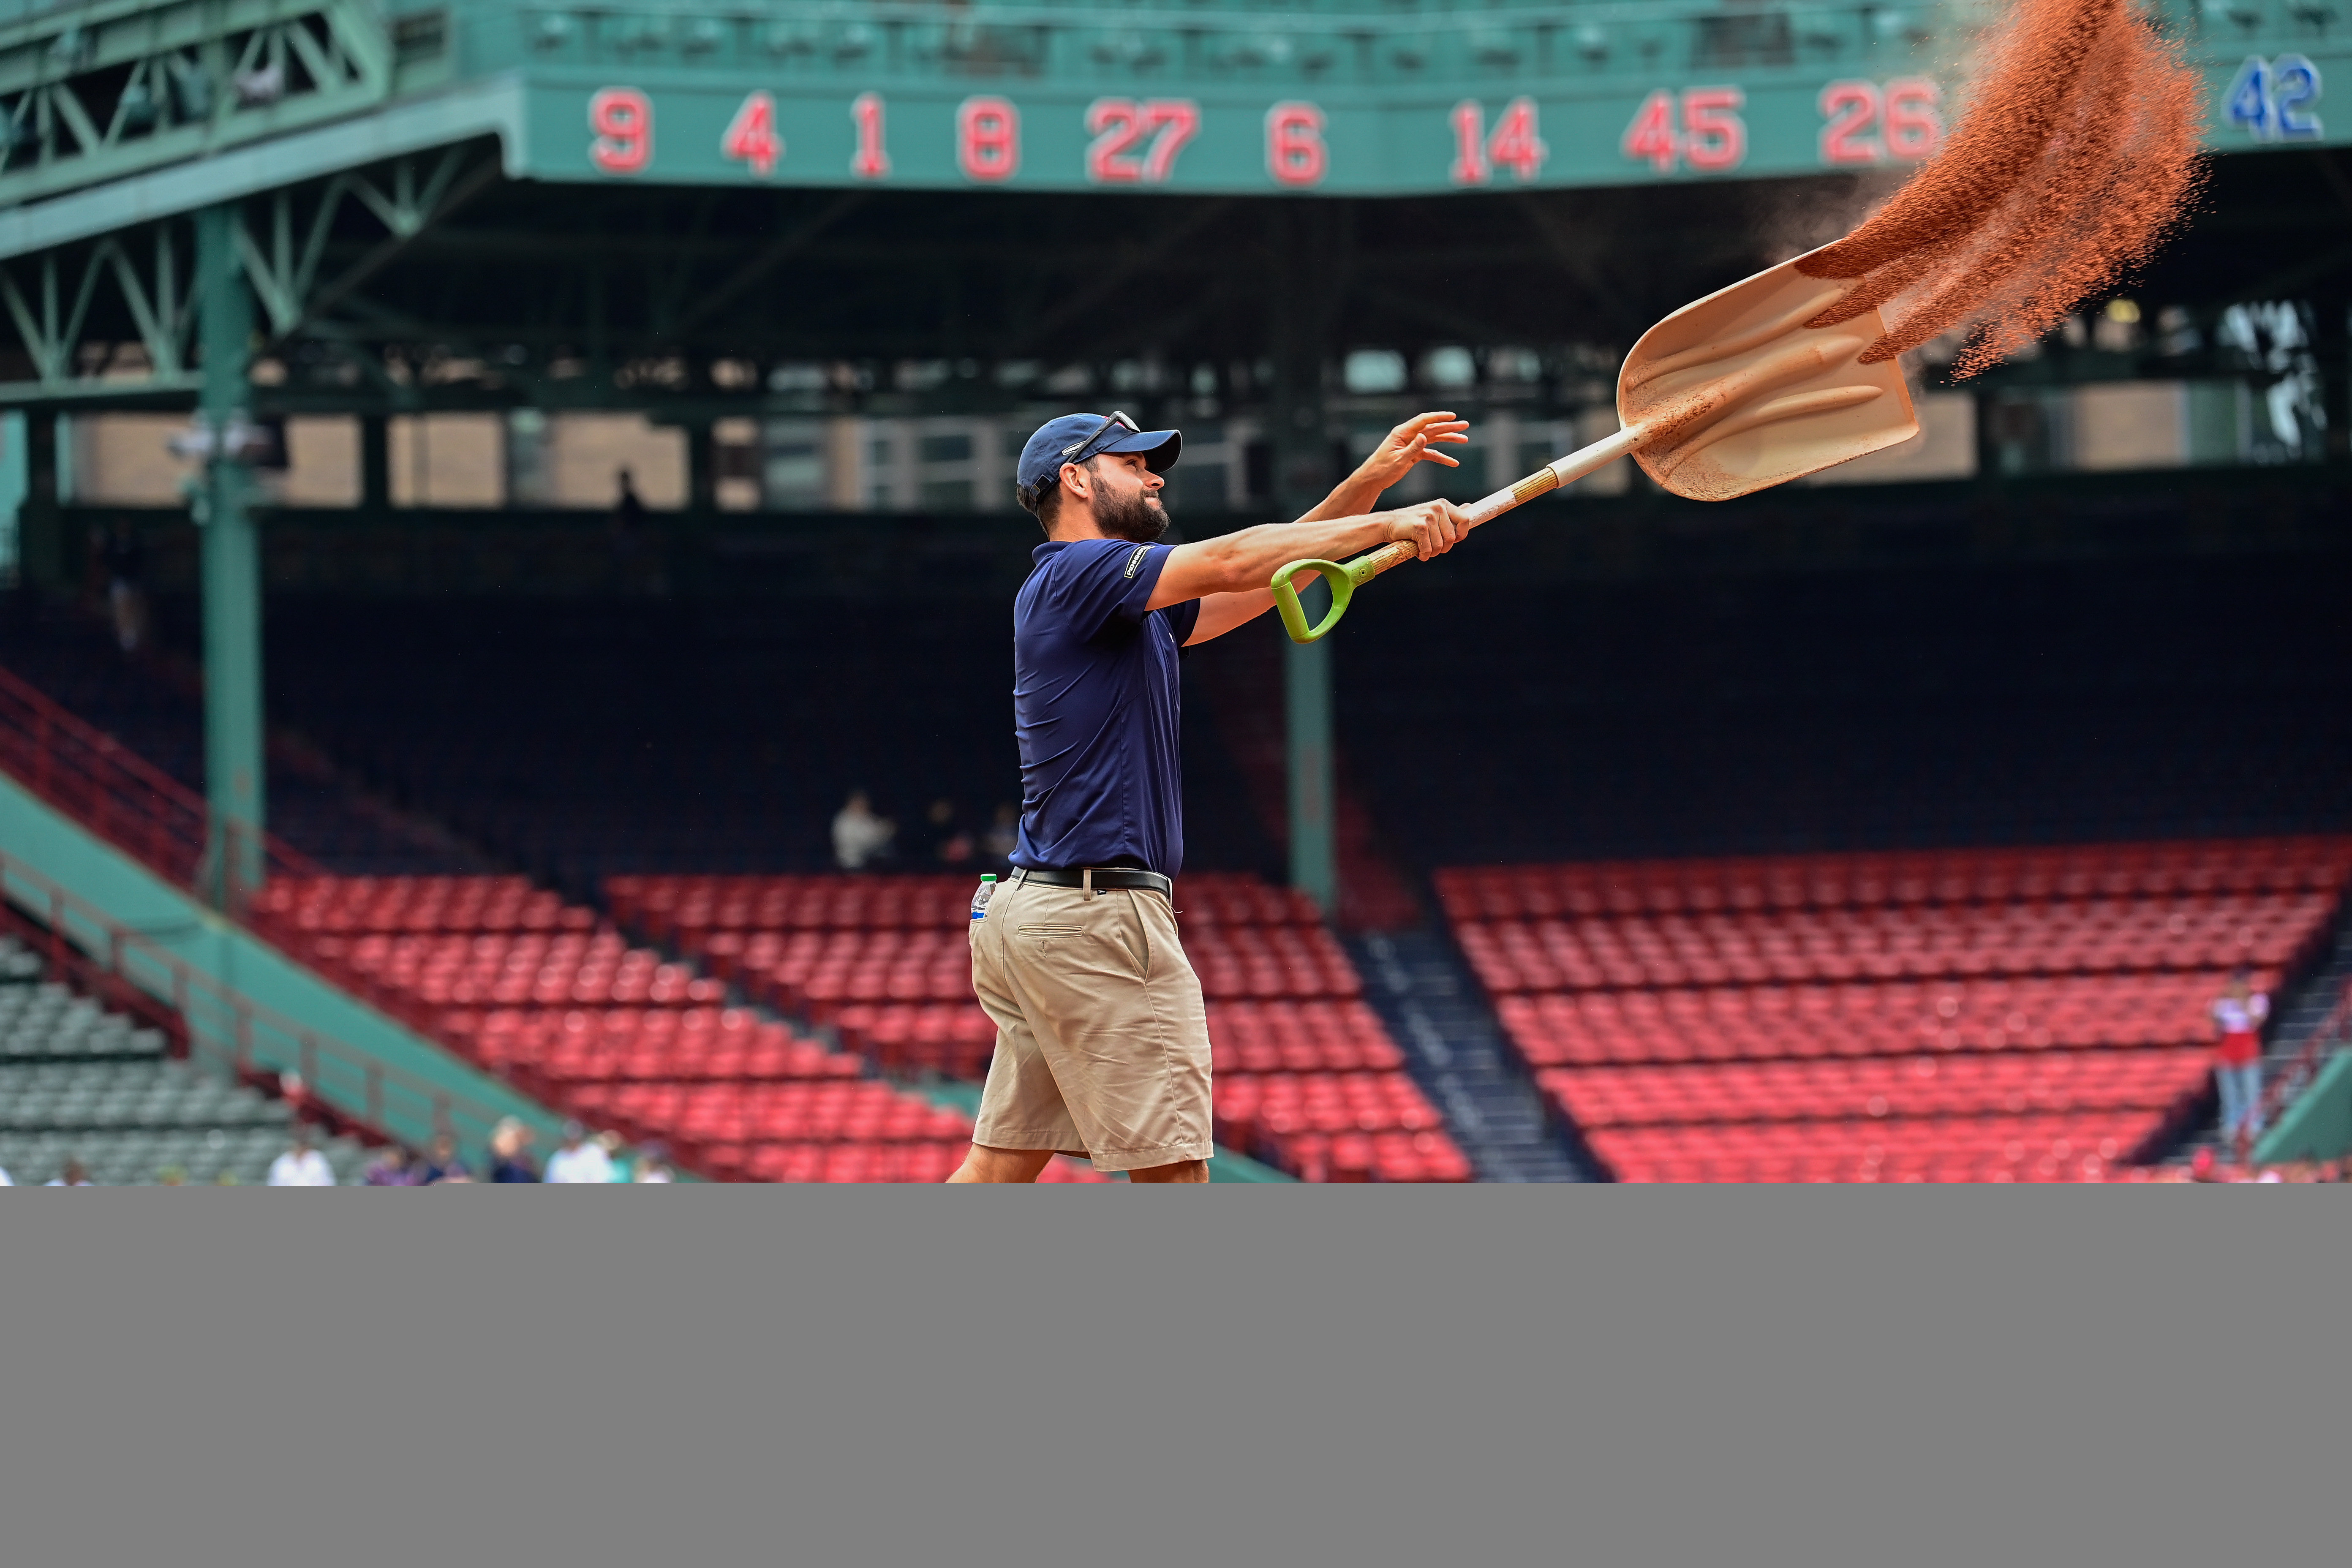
(1075, 437)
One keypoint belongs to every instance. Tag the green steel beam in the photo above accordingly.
(1347, 97)
(488, 108)
(234, 772)
(94, 92)
(1307, 256)
(540, 80)
(1307, 691)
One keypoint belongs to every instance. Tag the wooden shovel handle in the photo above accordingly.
(1346, 579)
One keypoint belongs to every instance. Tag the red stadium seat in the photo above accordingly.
(1963, 1014)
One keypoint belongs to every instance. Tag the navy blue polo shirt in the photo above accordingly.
(1096, 701)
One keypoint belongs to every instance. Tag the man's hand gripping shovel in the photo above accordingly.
(1731, 393)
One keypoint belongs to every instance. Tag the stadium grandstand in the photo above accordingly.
(464, 549)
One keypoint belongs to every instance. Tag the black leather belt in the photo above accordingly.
(1100, 878)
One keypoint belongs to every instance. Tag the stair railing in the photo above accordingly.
(222, 1027)
(118, 794)
(2287, 1084)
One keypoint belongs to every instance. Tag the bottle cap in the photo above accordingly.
(988, 876)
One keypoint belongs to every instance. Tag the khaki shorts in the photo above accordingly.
(1102, 1045)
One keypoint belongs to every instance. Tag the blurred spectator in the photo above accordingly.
(1004, 836)
(2237, 1013)
(301, 1165)
(443, 1165)
(2204, 1167)
(617, 1152)
(578, 1160)
(653, 1163)
(72, 1175)
(125, 559)
(636, 567)
(511, 1152)
(858, 834)
(390, 1167)
(171, 1176)
(950, 843)
(4, 1181)
(628, 511)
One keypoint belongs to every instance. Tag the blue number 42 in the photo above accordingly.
(2271, 99)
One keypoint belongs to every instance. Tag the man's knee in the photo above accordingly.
(1181, 1170)
(982, 1163)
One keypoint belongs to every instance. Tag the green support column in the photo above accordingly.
(40, 520)
(375, 464)
(1301, 462)
(1307, 694)
(231, 578)
(702, 467)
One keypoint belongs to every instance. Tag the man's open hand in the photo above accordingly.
(1416, 441)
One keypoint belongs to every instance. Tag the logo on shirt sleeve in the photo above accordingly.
(1135, 561)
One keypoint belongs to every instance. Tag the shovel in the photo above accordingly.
(1730, 394)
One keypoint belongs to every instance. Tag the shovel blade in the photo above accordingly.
(1750, 397)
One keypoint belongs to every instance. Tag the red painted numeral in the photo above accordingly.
(1295, 152)
(1651, 136)
(1914, 128)
(1120, 125)
(1714, 136)
(1852, 108)
(1178, 121)
(1469, 143)
(751, 136)
(622, 119)
(872, 159)
(988, 138)
(1116, 125)
(1708, 133)
(1515, 144)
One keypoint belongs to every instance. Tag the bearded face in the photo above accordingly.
(1134, 515)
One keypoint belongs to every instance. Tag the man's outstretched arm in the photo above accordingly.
(1230, 573)
(1416, 441)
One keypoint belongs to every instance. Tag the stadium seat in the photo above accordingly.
(1958, 1014)
(885, 962)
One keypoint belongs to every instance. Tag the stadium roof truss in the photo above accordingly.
(658, 169)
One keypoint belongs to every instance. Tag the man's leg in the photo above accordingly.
(986, 1164)
(1022, 1119)
(1181, 1170)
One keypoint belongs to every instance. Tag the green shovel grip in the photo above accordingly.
(1344, 579)
(1294, 614)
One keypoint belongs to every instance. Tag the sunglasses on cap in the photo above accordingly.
(1081, 450)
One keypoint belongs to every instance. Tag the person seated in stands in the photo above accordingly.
(390, 1166)
(443, 1163)
(860, 837)
(125, 559)
(301, 1165)
(653, 1164)
(511, 1152)
(71, 1175)
(579, 1159)
(950, 845)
